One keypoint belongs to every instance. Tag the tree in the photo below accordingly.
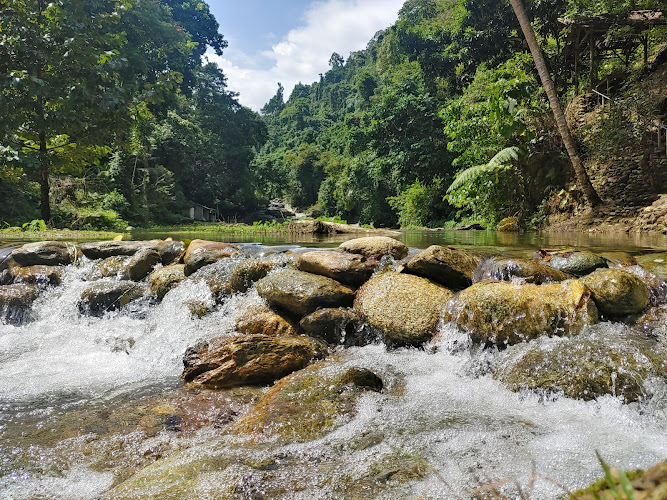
(583, 180)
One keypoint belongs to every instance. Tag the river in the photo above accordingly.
(94, 407)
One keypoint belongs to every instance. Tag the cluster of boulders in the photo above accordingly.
(369, 289)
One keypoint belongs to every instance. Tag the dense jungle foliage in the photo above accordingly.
(109, 117)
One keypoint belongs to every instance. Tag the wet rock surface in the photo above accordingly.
(37, 275)
(376, 246)
(263, 321)
(15, 302)
(45, 253)
(336, 326)
(102, 297)
(201, 253)
(404, 307)
(502, 313)
(448, 266)
(530, 271)
(165, 279)
(575, 262)
(617, 292)
(140, 264)
(247, 360)
(655, 262)
(247, 273)
(105, 249)
(348, 268)
(299, 293)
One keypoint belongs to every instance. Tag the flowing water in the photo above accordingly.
(94, 408)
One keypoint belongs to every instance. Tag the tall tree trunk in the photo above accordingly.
(583, 180)
(45, 188)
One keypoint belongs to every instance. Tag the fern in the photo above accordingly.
(505, 159)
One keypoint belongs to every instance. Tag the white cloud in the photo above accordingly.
(330, 26)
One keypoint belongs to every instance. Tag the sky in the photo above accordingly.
(291, 41)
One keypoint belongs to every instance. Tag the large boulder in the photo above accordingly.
(582, 367)
(201, 253)
(299, 293)
(309, 403)
(37, 275)
(334, 325)
(104, 249)
(406, 309)
(376, 246)
(165, 279)
(530, 271)
(247, 273)
(15, 301)
(170, 251)
(263, 321)
(46, 253)
(502, 313)
(617, 292)
(141, 264)
(247, 360)
(349, 268)
(508, 225)
(448, 266)
(575, 262)
(105, 296)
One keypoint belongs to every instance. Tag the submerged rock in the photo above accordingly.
(618, 259)
(247, 360)
(308, 404)
(531, 271)
(46, 253)
(105, 296)
(165, 279)
(617, 292)
(299, 293)
(376, 246)
(349, 268)
(15, 302)
(201, 253)
(583, 367)
(405, 308)
(575, 262)
(501, 313)
(655, 262)
(263, 321)
(448, 266)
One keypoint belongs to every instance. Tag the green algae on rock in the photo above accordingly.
(617, 292)
(501, 313)
(405, 308)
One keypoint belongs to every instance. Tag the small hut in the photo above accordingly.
(198, 212)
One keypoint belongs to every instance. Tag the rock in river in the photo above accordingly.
(264, 321)
(15, 300)
(46, 253)
(201, 253)
(166, 278)
(349, 268)
(448, 266)
(299, 293)
(37, 275)
(375, 246)
(531, 271)
(501, 313)
(105, 296)
(247, 360)
(576, 262)
(405, 308)
(141, 264)
(334, 325)
(617, 292)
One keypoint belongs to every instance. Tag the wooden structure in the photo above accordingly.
(607, 36)
(195, 211)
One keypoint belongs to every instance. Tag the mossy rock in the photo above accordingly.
(617, 292)
(405, 308)
(165, 279)
(508, 225)
(503, 269)
(349, 268)
(247, 360)
(113, 266)
(654, 262)
(37, 275)
(263, 321)
(501, 313)
(575, 262)
(618, 259)
(299, 293)
(448, 266)
(15, 302)
(583, 367)
(308, 404)
(376, 247)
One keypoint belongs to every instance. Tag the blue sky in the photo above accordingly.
(290, 41)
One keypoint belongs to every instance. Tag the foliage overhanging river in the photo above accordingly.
(93, 407)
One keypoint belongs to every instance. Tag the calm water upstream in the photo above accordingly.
(94, 408)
